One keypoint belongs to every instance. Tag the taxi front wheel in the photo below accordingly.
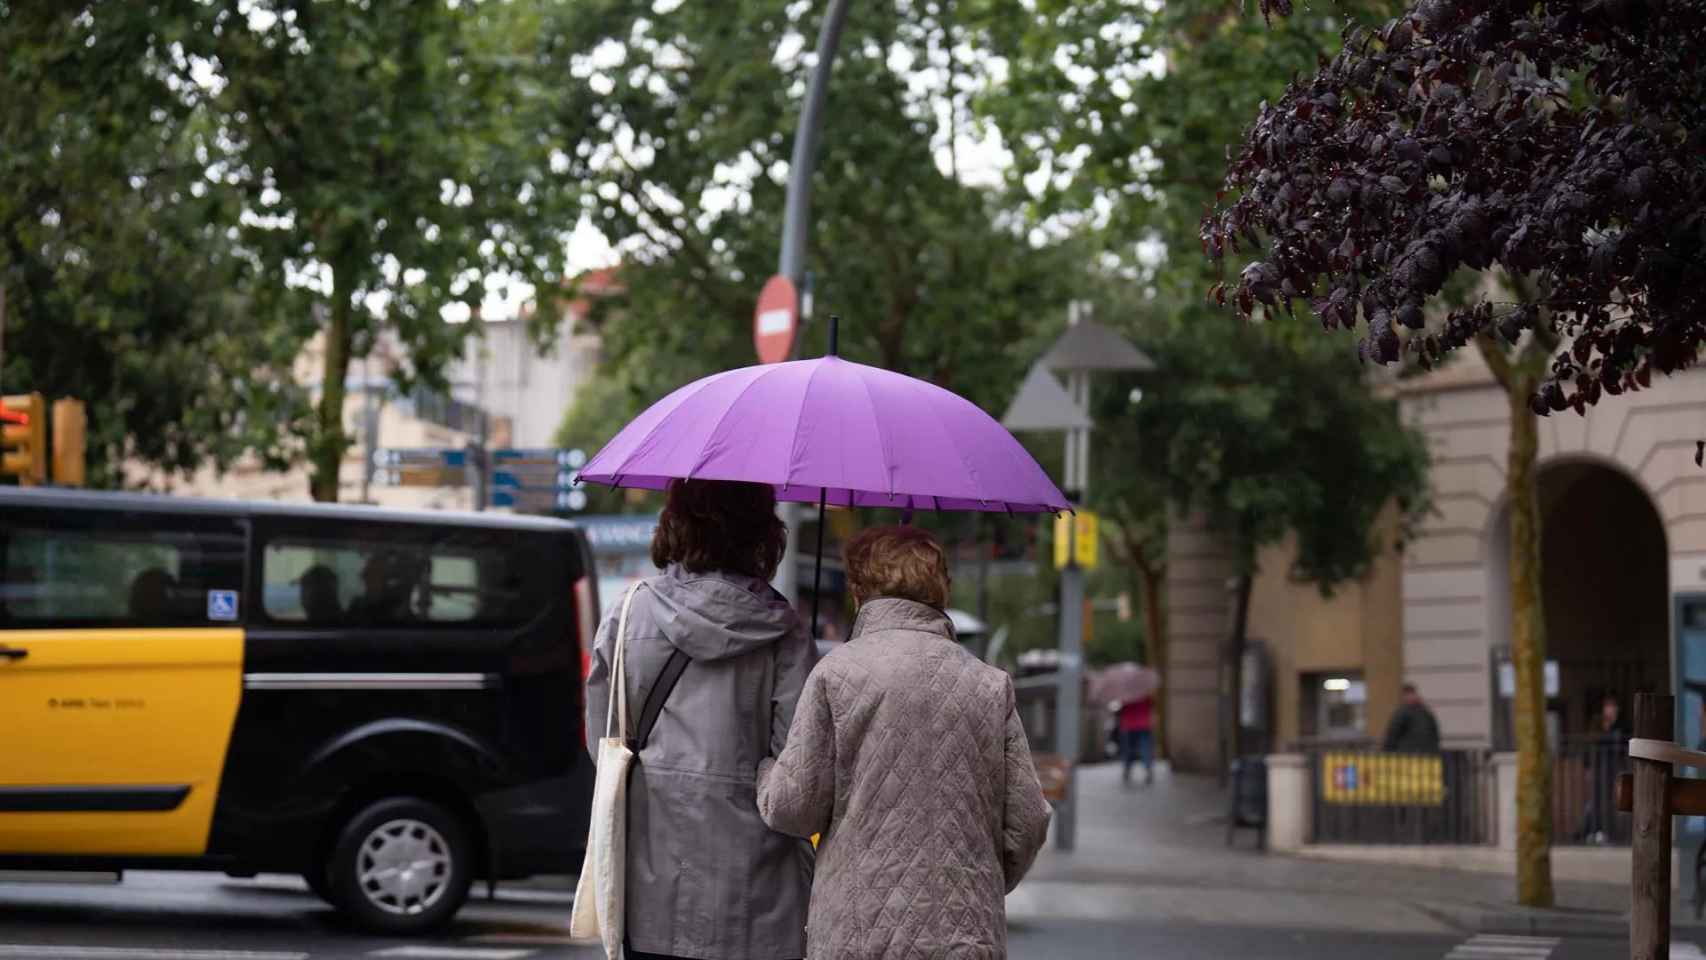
(401, 866)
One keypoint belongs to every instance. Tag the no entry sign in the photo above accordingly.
(776, 320)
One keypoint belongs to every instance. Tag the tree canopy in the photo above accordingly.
(1563, 142)
(187, 181)
(679, 125)
(123, 283)
(390, 158)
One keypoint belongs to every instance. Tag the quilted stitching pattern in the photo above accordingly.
(907, 753)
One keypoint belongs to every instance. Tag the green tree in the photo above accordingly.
(120, 281)
(390, 158)
(1264, 431)
(1119, 115)
(678, 124)
(1558, 143)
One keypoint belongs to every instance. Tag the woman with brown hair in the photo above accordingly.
(908, 756)
(706, 878)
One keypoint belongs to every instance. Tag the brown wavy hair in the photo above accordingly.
(903, 562)
(720, 525)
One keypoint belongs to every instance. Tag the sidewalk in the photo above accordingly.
(1158, 854)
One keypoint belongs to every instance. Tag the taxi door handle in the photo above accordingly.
(13, 653)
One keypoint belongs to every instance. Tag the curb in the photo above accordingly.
(1563, 922)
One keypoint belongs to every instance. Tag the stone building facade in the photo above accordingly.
(1623, 572)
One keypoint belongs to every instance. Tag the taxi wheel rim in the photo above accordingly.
(404, 867)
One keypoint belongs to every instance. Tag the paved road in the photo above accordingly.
(158, 916)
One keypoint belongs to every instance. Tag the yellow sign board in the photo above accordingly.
(1080, 545)
(1382, 779)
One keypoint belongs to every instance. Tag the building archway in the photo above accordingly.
(1605, 572)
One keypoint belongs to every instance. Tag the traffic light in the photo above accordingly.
(23, 438)
(70, 424)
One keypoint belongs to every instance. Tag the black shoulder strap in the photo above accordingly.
(660, 692)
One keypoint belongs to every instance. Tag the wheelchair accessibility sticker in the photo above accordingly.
(222, 605)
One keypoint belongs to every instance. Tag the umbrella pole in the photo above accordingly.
(817, 569)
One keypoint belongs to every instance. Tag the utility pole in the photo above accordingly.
(477, 453)
(1069, 695)
(367, 430)
(796, 225)
(1083, 349)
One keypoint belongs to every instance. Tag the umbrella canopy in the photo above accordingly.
(1123, 683)
(850, 434)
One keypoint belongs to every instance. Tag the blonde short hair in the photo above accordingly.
(902, 562)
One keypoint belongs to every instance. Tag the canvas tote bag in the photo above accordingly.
(599, 907)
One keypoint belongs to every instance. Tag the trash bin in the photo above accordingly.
(1249, 799)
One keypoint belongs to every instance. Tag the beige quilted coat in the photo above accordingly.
(907, 755)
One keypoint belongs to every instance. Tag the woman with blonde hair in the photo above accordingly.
(705, 878)
(907, 755)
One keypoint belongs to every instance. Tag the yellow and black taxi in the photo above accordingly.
(385, 702)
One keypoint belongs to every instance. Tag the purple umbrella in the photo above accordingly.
(832, 431)
(829, 431)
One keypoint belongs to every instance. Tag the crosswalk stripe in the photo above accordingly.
(532, 939)
(72, 952)
(422, 952)
(1492, 946)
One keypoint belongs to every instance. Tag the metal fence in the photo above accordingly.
(1584, 774)
(1363, 797)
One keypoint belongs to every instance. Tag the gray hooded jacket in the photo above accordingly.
(706, 877)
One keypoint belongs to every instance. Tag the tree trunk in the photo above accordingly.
(1528, 655)
(1155, 650)
(326, 449)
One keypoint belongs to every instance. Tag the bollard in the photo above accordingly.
(1649, 915)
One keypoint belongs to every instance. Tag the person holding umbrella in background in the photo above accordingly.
(1129, 689)
(1136, 740)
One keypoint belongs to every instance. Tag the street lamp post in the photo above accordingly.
(796, 225)
(1041, 405)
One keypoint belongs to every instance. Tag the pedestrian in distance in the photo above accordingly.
(907, 755)
(1137, 743)
(1605, 761)
(1413, 728)
(706, 878)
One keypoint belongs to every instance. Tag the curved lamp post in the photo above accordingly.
(796, 224)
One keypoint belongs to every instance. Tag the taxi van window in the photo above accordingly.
(389, 582)
(116, 577)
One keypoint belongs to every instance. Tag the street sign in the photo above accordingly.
(574, 459)
(431, 475)
(1080, 545)
(534, 479)
(540, 500)
(395, 456)
(776, 320)
(420, 466)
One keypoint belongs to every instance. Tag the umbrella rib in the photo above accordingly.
(882, 437)
(699, 458)
(662, 420)
(953, 444)
(799, 418)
